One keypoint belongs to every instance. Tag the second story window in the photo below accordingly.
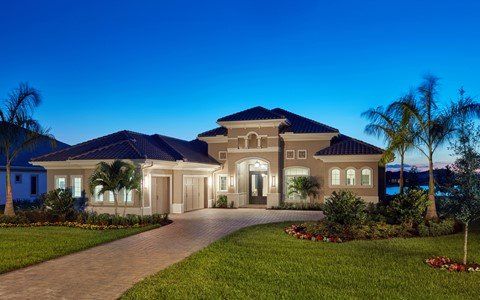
(302, 154)
(290, 154)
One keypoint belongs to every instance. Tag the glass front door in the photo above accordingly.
(258, 187)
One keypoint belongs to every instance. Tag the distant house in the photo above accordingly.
(28, 181)
(251, 158)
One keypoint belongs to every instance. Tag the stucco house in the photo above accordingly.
(250, 158)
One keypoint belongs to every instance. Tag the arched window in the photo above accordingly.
(350, 177)
(335, 177)
(366, 177)
(291, 173)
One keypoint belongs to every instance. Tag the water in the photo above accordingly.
(395, 189)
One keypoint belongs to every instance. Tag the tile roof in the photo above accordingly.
(299, 124)
(214, 132)
(345, 145)
(23, 158)
(251, 114)
(132, 145)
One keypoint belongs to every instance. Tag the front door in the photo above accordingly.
(257, 187)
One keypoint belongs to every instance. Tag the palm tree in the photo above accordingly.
(305, 186)
(394, 126)
(131, 182)
(432, 125)
(19, 131)
(110, 177)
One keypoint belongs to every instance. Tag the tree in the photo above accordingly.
(463, 199)
(131, 182)
(413, 182)
(111, 178)
(393, 125)
(305, 186)
(19, 131)
(432, 126)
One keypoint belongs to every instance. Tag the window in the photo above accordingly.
(77, 186)
(60, 182)
(222, 183)
(127, 197)
(291, 173)
(222, 155)
(18, 178)
(97, 197)
(302, 154)
(335, 177)
(110, 197)
(253, 141)
(350, 177)
(366, 177)
(290, 154)
(34, 185)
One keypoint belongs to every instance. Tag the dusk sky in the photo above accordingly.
(175, 67)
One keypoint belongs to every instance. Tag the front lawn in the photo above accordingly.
(264, 262)
(23, 246)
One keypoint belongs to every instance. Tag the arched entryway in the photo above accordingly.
(253, 181)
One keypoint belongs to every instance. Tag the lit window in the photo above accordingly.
(222, 183)
(290, 154)
(60, 182)
(222, 155)
(366, 177)
(350, 177)
(97, 197)
(127, 196)
(77, 186)
(290, 174)
(302, 154)
(110, 197)
(335, 177)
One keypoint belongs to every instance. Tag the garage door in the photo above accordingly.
(193, 191)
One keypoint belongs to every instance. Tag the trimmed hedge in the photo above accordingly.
(298, 206)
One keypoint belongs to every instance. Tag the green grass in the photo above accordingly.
(23, 246)
(263, 262)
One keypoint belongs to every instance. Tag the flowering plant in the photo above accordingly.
(300, 232)
(445, 263)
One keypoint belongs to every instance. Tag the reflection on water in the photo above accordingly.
(393, 190)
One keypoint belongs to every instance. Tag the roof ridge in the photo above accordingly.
(162, 138)
(97, 149)
(362, 142)
(251, 108)
(133, 145)
(312, 120)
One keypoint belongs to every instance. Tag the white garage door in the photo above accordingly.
(193, 191)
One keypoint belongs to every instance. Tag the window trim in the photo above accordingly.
(289, 151)
(339, 177)
(72, 182)
(302, 150)
(219, 189)
(354, 176)
(56, 177)
(220, 155)
(370, 177)
(285, 183)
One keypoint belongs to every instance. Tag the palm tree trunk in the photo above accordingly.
(431, 209)
(125, 203)
(9, 211)
(115, 197)
(465, 244)
(400, 179)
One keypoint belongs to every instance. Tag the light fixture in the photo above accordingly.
(274, 182)
(257, 164)
(232, 181)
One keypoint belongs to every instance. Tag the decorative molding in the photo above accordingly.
(252, 150)
(298, 154)
(290, 136)
(349, 158)
(253, 123)
(214, 139)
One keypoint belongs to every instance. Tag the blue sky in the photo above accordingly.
(175, 67)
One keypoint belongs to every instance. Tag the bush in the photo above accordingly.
(61, 203)
(299, 206)
(432, 228)
(345, 208)
(408, 208)
(222, 202)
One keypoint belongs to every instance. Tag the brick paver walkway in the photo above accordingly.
(106, 271)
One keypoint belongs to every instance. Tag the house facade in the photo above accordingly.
(250, 158)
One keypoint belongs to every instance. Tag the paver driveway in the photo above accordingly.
(106, 271)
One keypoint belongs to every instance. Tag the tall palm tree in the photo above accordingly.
(432, 125)
(110, 177)
(131, 182)
(19, 131)
(394, 126)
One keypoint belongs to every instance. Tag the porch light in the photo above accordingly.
(232, 181)
(274, 181)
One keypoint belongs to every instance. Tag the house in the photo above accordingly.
(250, 158)
(28, 181)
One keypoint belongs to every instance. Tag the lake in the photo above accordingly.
(395, 189)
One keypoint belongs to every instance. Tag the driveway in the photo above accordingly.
(106, 271)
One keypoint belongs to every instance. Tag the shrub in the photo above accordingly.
(408, 208)
(433, 228)
(60, 202)
(299, 206)
(222, 202)
(345, 208)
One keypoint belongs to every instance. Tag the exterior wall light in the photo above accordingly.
(232, 181)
